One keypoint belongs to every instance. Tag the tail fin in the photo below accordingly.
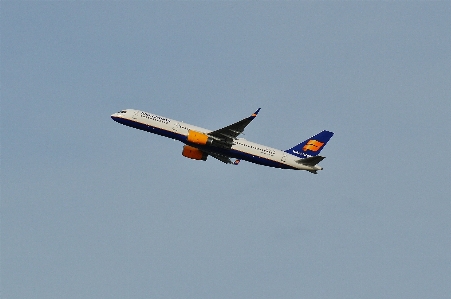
(312, 146)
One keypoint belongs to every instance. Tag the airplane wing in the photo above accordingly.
(224, 159)
(229, 133)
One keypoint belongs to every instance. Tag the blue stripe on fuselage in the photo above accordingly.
(183, 138)
(148, 128)
(242, 156)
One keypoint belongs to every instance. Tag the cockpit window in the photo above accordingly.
(122, 111)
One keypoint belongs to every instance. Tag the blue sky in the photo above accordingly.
(93, 209)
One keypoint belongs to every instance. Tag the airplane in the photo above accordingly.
(224, 144)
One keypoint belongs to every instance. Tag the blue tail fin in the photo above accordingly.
(312, 146)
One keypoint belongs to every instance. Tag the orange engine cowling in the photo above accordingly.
(199, 138)
(194, 153)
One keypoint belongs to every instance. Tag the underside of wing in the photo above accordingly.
(224, 159)
(229, 133)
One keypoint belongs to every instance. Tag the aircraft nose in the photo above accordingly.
(115, 116)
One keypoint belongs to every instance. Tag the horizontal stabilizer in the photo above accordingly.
(311, 161)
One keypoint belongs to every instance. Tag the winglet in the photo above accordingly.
(255, 113)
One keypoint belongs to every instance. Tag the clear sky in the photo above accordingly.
(93, 209)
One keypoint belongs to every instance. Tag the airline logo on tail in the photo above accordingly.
(313, 145)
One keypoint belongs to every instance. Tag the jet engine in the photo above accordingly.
(194, 153)
(199, 138)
